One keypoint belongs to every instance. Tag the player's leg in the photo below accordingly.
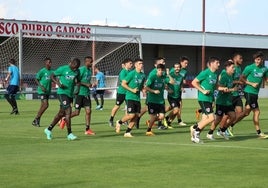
(134, 113)
(128, 116)
(87, 106)
(120, 98)
(43, 107)
(207, 118)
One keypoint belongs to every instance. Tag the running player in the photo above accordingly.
(121, 91)
(155, 86)
(66, 77)
(224, 104)
(83, 97)
(184, 61)
(205, 83)
(252, 77)
(43, 80)
(133, 83)
(236, 98)
(174, 94)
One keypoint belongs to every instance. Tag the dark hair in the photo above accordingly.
(75, 61)
(88, 57)
(235, 54)
(228, 63)
(12, 61)
(158, 58)
(126, 60)
(258, 54)
(212, 59)
(184, 58)
(160, 66)
(177, 64)
(138, 59)
(47, 59)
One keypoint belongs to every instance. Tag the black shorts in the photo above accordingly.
(65, 101)
(12, 89)
(133, 107)
(221, 109)
(251, 100)
(154, 108)
(100, 92)
(44, 96)
(237, 101)
(120, 98)
(82, 101)
(174, 102)
(206, 107)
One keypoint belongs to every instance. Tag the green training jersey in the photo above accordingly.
(85, 75)
(156, 83)
(134, 80)
(254, 74)
(208, 81)
(183, 73)
(68, 78)
(225, 80)
(176, 87)
(154, 71)
(236, 77)
(123, 73)
(44, 78)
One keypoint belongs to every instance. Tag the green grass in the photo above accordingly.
(169, 159)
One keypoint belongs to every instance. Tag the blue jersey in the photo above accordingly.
(100, 77)
(14, 75)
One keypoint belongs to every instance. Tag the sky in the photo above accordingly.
(227, 16)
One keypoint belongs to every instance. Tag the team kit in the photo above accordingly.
(220, 94)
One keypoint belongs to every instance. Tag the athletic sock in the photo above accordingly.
(87, 127)
(179, 120)
(120, 122)
(195, 126)
(50, 127)
(111, 118)
(200, 110)
(232, 125)
(258, 131)
(210, 131)
(69, 130)
(149, 129)
(197, 129)
(128, 130)
(223, 129)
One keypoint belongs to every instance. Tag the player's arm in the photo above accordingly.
(245, 81)
(37, 81)
(56, 80)
(125, 85)
(196, 84)
(8, 76)
(171, 79)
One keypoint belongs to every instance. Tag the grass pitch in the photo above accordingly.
(168, 159)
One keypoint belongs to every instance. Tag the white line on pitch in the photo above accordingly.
(192, 144)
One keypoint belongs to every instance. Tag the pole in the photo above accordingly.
(204, 35)
(93, 50)
(20, 56)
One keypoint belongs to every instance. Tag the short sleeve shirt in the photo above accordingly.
(134, 80)
(68, 78)
(223, 98)
(208, 81)
(254, 74)
(85, 75)
(44, 78)
(156, 83)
